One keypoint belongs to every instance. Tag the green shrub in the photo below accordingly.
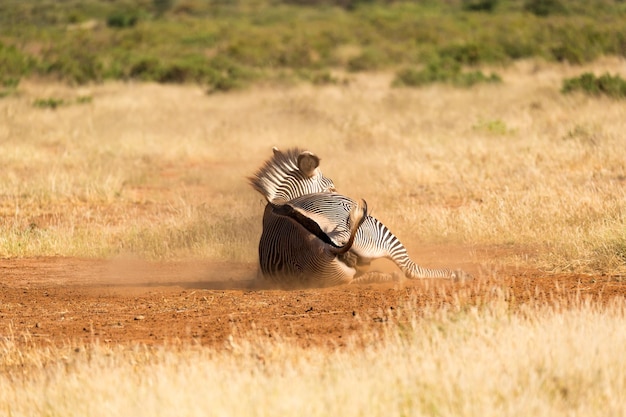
(296, 55)
(13, 64)
(10, 82)
(225, 75)
(184, 69)
(162, 6)
(78, 66)
(84, 99)
(479, 5)
(468, 79)
(578, 43)
(443, 71)
(494, 127)
(54, 103)
(178, 73)
(146, 69)
(436, 71)
(75, 56)
(48, 103)
(462, 53)
(609, 85)
(368, 60)
(8, 86)
(122, 19)
(345, 4)
(255, 48)
(321, 77)
(544, 7)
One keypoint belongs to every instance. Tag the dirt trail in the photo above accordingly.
(68, 301)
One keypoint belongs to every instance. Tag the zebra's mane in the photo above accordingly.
(275, 179)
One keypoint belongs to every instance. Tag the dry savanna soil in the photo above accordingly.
(69, 301)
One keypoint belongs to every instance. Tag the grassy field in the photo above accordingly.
(517, 170)
(159, 171)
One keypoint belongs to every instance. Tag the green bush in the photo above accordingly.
(322, 77)
(8, 86)
(544, 7)
(13, 63)
(437, 71)
(479, 5)
(462, 53)
(578, 43)
(84, 99)
(346, 4)
(468, 79)
(178, 72)
(225, 75)
(146, 69)
(48, 103)
(10, 82)
(122, 19)
(368, 60)
(296, 55)
(75, 57)
(78, 66)
(162, 6)
(609, 85)
(442, 71)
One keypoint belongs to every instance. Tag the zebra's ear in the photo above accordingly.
(308, 163)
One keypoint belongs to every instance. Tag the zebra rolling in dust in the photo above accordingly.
(314, 236)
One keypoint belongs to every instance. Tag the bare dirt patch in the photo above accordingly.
(67, 301)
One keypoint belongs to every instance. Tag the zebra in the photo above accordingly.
(309, 237)
(298, 250)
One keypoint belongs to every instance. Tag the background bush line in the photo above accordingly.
(227, 44)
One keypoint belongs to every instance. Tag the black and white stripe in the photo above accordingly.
(281, 178)
(315, 237)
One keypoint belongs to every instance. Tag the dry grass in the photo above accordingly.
(159, 171)
(482, 361)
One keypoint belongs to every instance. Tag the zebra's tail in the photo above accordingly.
(357, 216)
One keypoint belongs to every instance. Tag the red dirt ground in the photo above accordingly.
(68, 301)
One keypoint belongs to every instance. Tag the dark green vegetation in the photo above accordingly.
(53, 103)
(609, 85)
(446, 71)
(226, 44)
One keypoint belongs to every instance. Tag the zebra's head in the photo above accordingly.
(291, 174)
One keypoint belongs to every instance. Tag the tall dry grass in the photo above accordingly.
(479, 361)
(159, 171)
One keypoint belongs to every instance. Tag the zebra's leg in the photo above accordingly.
(377, 277)
(374, 240)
